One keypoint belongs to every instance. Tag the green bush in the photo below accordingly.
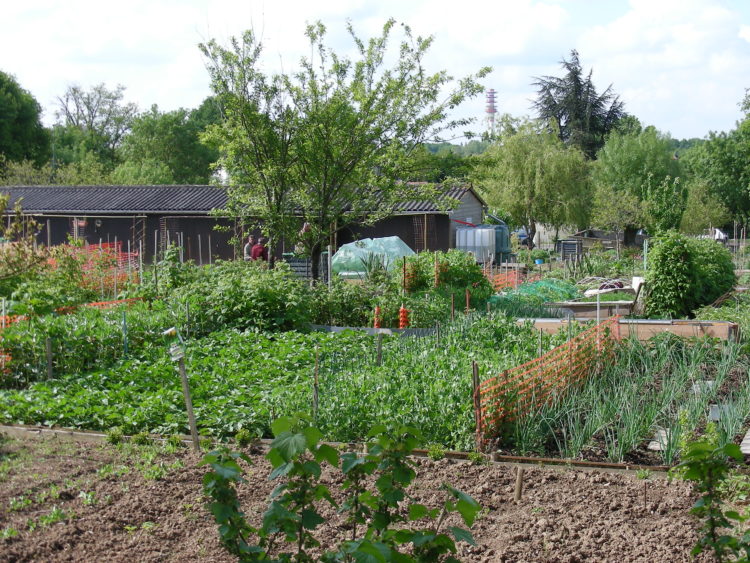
(714, 270)
(244, 295)
(684, 274)
(84, 340)
(457, 270)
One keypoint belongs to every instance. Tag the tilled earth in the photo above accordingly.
(73, 501)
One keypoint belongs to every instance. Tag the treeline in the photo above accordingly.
(580, 161)
(99, 138)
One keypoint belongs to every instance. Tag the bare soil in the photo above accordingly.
(131, 504)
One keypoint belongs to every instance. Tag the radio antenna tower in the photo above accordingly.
(490, 110)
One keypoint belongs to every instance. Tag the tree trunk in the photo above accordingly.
(530, 233)
(315, 252)
(271, 253)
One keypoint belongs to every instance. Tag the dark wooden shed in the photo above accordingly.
(145, 219)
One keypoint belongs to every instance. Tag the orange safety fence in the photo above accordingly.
(508, 279)
(507, 396)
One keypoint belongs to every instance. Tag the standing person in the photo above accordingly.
(248, 250)
(259, 251)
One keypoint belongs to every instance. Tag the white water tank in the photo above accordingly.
(478, 241)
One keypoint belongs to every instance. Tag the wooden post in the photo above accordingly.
(189, 404)
(477, 406)
(379, 358)
(403, 275)
(519, 484)
(124, 333)
(48, 347)
(315, 383)
(468, 299)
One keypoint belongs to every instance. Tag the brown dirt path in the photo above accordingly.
(132, 505)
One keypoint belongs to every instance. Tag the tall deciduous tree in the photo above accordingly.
(534, 177)
(171, 140)
(583, 117)
(631, 163)
(331, 140)
(22, 135)
(723, 161)
(100, 115)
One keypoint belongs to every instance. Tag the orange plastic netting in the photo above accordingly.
(509, 278)
(507, 396)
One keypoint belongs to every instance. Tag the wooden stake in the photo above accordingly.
(124, 333)
(315, 383)
(519, 484)
(189, 404)
(404, 275)
(48, 347)
(379, 360)
(468, 298)
(477, 405)
(540, 344)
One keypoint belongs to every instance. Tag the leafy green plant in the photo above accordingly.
(378, 519)
(114, 436)
(19, 503)
(706, 465)
(8, 532)
(244, 438)
(478, 458)
(53, 517)
(174, 442)
(436, 451)
(142, 439)
(684, 274)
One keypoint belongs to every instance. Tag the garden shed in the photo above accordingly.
(149, 217)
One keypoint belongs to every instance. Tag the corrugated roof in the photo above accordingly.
(421, 206)
(183, 200)
(112, 200)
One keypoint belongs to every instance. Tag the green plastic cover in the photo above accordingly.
(355, 259)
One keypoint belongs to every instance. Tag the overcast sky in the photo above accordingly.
(681, 65)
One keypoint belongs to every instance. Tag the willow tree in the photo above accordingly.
(329, 143)
(531, 175)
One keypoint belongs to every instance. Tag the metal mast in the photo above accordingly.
(490, 110)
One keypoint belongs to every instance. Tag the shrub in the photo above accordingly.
(245, 295)
(684, 274)
(714, 270)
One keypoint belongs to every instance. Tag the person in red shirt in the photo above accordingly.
(260, 251)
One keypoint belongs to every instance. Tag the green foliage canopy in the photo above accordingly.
(582, 116)
(535, 178)
(22, 135)
(684, 274)
(332, 140)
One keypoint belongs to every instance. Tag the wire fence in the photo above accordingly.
(507, 396)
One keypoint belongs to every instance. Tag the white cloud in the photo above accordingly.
(662, 56)
(673, 62)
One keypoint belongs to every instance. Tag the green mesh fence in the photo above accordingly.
(529, 298)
